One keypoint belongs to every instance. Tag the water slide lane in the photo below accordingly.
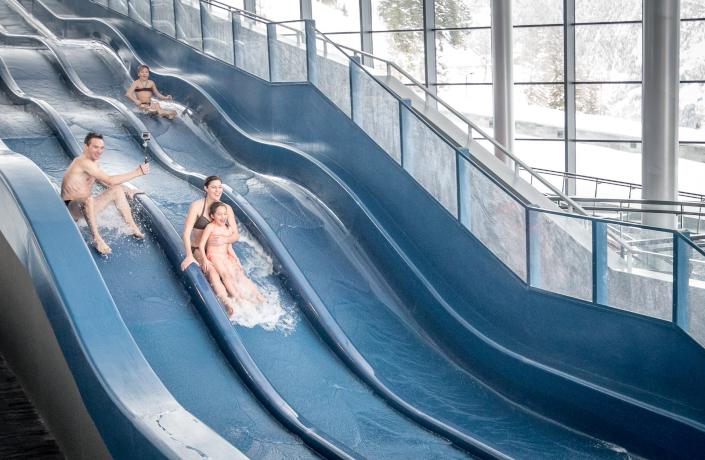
(635, 394)
(354, 291)
(151, 300)
(361, 416)
(344, 406)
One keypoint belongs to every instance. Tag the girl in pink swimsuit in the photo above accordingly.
(222, 257)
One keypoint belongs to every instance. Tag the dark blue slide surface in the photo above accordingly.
(158, 313)
(466, 352)
(150, 298)
(359, 298)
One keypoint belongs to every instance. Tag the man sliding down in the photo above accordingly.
(77, 189)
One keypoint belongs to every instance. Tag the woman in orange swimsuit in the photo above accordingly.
(143, 89)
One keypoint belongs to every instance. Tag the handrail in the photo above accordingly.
(677, 208)
(573, 207)
(602, 180)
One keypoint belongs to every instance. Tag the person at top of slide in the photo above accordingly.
(141, 92)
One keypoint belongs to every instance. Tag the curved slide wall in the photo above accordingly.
(562, 333)
(122, 410)
(38, 76)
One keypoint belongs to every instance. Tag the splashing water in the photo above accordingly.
(273, 314)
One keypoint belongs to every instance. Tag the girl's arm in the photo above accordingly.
(158, 94)
(234, 232)
(186, 235)
(131, 93)
(202, 246)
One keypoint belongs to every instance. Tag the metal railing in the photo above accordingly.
(689, 214)
(630, 187)
(470, 127)
(590, 258)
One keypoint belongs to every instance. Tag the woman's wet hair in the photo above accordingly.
(210, 179)
(140, 67)
(214, 207)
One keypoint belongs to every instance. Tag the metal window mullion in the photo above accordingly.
(429, 38)
(200, 18)
(306, 9)
(681, 278)
(365, 30)
(599, 262)
(569, 130)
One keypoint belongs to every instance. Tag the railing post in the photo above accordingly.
(237, 43)
(464, 191)
(405, 139)
(533, 253)
(271, 53)
(681, 278)
(200, 20)
(352, 71)
(311, 55)
(599, 262)
(151, 14)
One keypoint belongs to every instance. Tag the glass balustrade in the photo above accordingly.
(140, 11)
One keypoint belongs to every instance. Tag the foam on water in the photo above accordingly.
(273, 314)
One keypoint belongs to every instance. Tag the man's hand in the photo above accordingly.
(143, 169)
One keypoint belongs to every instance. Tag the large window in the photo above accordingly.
(607, 74)
(691, 116)
(337, 15)
(397, 14)
(404, 48)
(279, 10)
(464, 56)
(463, 13)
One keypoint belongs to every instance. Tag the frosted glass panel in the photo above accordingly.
(696, 296)
(140, 11)
(430, 160)
(376, 111)
(288, 48)
(251, 51)
(217, 32)
(332, 74)
(188, 22)
(640, 271)
(163, 16)
(561, 254)
(495, 218)
(118, 5)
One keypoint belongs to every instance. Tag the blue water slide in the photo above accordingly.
(63, 334)
(214, 392)
(37, 74)
(456, 339)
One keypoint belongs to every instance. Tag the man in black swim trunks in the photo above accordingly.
(77, 189)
